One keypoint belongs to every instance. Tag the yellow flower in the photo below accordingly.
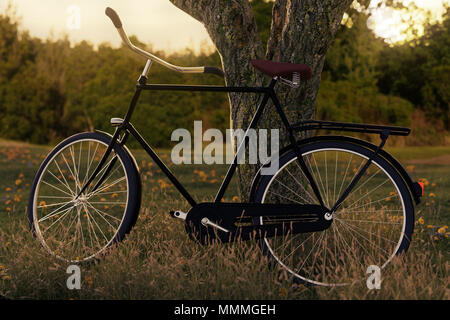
(18, 181)
(410, 168)
(442, 230)
(235, 198)
(421, 221)
(162, 184)
(432, 195)
(8, 189)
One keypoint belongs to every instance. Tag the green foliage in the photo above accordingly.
(338, 101)
(419, 70)
(354, 53)
(51, 89)
(348, 90)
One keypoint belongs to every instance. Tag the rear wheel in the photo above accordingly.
(372, 225)
(79, 229)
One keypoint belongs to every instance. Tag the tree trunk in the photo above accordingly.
(301, 32)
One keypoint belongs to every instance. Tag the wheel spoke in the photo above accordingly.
(79, 228)
(367, 226)
(300, 184)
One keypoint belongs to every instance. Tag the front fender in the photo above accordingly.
(126, 149)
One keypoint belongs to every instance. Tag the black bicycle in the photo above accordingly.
(335, 205)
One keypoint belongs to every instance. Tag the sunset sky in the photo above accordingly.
(154, 21)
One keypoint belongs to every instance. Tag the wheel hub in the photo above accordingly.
(328, 216)
(83, 199)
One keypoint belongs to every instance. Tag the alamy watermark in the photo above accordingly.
(219, 150)
(74, 19)
(74, 280)
(374, 280)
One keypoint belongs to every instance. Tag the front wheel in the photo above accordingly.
(372, 225)
(79, 229)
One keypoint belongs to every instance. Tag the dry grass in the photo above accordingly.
(158, 261)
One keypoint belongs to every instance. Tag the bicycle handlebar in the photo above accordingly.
(114, 17)
(118, 24)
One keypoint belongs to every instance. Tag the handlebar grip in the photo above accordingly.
(114, 17)
(214, 70)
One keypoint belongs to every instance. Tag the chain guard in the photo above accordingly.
(246, 221)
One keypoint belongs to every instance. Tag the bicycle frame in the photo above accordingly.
(126, 126)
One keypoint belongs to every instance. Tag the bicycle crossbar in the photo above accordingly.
(179, 87)
(352, 127)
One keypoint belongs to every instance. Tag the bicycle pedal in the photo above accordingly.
(178, 214)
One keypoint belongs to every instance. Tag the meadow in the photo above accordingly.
(158, 261)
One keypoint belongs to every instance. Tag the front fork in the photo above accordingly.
(115, 139)
(121, 125)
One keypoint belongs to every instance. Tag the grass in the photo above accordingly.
(158, 261)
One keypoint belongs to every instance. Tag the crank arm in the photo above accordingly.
(206, 222)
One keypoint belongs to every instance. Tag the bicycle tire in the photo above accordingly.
(314, 148)
(126, 210)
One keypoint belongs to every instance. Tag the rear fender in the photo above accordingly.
(415, 188)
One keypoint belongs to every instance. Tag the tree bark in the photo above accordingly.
(301, 32)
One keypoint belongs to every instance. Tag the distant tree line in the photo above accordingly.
(50, 89)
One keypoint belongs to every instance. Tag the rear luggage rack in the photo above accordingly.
(353, 127)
